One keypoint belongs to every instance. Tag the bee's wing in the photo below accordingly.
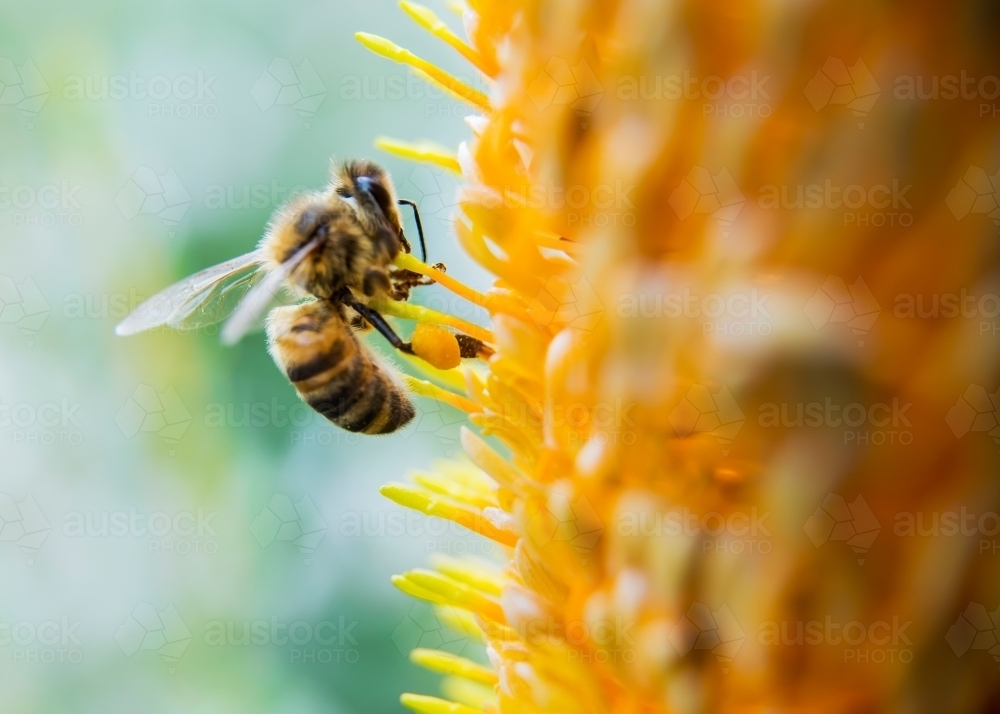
(259, 298)
(205, 298)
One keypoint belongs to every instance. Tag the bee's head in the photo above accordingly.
(370, 188)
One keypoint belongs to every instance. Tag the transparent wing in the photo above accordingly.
(256, 302)
(205, 298)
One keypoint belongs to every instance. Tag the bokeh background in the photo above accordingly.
(162, 494)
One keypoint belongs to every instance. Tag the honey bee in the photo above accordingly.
(336, 248)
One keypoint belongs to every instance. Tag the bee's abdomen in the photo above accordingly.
(335, 375)
(358, 396)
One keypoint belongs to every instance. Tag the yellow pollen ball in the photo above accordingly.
(436, 346)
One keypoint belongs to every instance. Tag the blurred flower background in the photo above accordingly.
(164, 478)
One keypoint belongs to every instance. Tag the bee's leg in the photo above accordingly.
(405, 280)
(376, 280)
(420, 227)
(376, 320)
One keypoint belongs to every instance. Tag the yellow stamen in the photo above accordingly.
(408, 261)
(496, 466)
(447, 663)
(453, 378)
(429, 21)
(471, 518)
(446, 486)
(414, 590)
(465, 473)
(450, 91)
(457, 593)
(468, 572)
(389, 49)
(432, 705)
(409, 311)
(424, 388)
(493, 301)
(461, 621)
(421, 150)
(456, 6)
(471, 694)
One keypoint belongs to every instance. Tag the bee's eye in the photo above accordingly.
(377, 191)
(343, 191)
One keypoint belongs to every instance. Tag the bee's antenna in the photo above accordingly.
(420, 227)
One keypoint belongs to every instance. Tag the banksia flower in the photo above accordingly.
(724, 398)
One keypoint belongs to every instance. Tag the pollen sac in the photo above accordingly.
(436, 345)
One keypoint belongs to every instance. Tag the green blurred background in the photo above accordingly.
(160, 490)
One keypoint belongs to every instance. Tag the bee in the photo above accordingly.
(335, 247)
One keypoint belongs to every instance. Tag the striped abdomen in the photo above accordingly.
(333, 372)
